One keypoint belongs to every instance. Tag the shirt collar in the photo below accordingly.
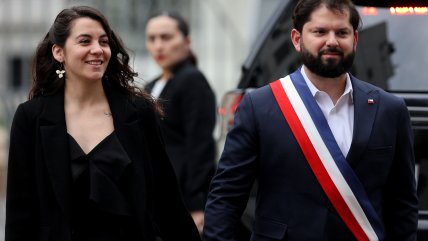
(314, 90)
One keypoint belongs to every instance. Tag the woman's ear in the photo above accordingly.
(188, 42)
(57, 53)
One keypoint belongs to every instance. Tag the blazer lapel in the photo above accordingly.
(128, 128)
(125, 117)
(55, 149)
(366, 101)
(164, 92)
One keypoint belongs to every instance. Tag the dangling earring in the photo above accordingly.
(60, 72)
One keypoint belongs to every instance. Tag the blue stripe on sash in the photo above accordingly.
(340, 160)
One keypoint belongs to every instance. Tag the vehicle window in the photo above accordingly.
(392, 50)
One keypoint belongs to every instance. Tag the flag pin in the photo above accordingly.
(370, 101)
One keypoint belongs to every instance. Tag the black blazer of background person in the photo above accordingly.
(124, 188)
(189, 108)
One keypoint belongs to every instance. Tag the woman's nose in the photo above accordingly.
(157, 44)
(96, 49)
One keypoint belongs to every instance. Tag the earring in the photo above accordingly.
(60, 72)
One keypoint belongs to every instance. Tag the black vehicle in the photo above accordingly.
(391, 53)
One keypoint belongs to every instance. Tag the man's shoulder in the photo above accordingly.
(360, 85)
(261, 92)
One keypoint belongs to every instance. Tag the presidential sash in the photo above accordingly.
(336, 177)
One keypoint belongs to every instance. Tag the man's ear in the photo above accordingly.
(296, 38)
(58, 53)
(355, 40)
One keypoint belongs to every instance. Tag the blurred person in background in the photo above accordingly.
(189, 105)
(87, 160)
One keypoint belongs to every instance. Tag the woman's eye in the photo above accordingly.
(166, 37)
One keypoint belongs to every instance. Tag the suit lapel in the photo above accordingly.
(164, 92)
(125, 117)
(127, 124)
(366, 101)
(55, 147)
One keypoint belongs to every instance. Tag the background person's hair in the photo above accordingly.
(304, 8)
(118, 73)
(183, 27)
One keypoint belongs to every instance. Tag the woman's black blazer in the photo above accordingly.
(189, 105)
(39, 172)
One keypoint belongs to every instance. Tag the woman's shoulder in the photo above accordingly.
(33, 105)
(30, 110)
(142, 103)
(139, 100)
(191, 78)
(189, 72)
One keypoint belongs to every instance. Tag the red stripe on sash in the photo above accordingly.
(314, 161)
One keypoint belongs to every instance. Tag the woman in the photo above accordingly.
(189, 106)
(86, 159)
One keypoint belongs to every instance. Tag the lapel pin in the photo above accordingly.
(370, 101)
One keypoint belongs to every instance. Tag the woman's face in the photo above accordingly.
(166, 44)
(86, 52)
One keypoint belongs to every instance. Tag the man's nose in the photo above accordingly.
(332, 39)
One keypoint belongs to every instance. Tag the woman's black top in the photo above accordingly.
(101, 208)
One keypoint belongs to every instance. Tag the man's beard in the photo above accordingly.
(329, 68)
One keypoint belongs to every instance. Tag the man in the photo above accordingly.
(333, 155)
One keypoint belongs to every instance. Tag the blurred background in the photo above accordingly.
(222, 33)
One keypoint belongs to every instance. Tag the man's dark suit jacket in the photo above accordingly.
(291, 204)
(189, 106)
(39, 172)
